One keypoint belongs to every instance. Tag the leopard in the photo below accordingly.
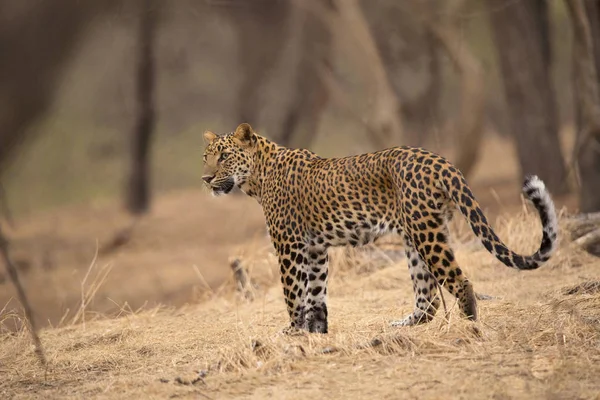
(312, 203)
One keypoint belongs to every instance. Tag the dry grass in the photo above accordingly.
(539, 338)
(187, 232)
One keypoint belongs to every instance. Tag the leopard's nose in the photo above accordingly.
(208, 178)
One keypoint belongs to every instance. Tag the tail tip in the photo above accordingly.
(533, 183)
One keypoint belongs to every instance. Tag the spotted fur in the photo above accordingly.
(312, 203)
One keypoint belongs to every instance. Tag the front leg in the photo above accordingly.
(316, 290)
(293, 280)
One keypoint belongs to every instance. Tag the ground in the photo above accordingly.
(538, 336)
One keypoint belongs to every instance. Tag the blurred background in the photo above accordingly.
(103, 105)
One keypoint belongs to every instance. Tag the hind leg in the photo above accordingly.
(440, 257)
(316, 291)
(424, 287)
(451, 277)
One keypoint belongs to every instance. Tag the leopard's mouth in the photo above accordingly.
(222, 187)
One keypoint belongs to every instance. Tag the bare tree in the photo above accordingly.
(261, 29)
(468, 126)
(523, 51)
(137, 191)
(412, 59)
(309, 93)
(383, 121)
(36, 42)
(593, 12)
(586, 21)
(264, 29)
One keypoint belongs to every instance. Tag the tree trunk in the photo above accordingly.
(309, 94)
(587, 100)
(592, 8)
(522, 51)
(35, 46)
(412, 60)
(138, 186)
(261, 29)
(384, 122)
(468, 127)
(540, 10)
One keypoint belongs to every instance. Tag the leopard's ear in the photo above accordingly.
(245, 135)
(209, 136)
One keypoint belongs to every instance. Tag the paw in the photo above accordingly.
(407, 321)
(316, 321)
(469, 303)
(293, 331)
(412, 319)
(485, 297)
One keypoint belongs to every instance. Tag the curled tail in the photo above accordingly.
(536, 192)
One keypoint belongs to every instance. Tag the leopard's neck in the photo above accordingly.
(263, 159)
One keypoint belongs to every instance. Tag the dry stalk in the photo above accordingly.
(14, 276)
(88, 295)
(203, 279)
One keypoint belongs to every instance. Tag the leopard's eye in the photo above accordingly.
(223, 156)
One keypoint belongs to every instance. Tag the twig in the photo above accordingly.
(441, 294)
(14, 276)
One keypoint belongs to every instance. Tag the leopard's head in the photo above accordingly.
(228, 159)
